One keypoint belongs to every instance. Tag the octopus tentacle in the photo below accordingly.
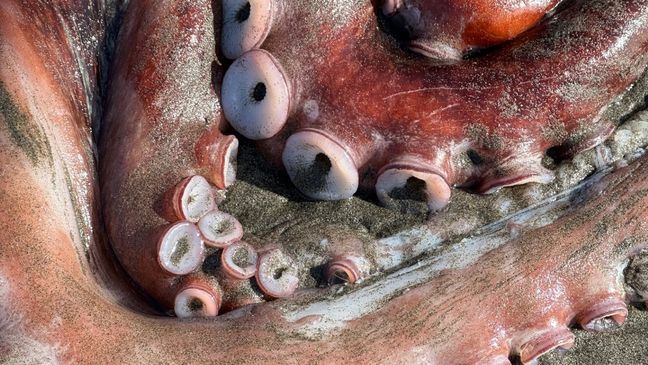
(162, 151)
(325, 156)
(482, 124)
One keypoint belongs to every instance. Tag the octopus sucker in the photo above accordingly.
(605, 315)
(349, 261)
(256, 96)
(180, 248)
(320, 166)
(197, 298)
(239, 260)
(276, 274)
(397, 178)
(217, 156)
(189, 200)
(545, 342)
(130, 248)
(220, 229)
(246, 25)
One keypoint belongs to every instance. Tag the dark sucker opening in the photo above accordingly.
(195, 305)
(278, 273)
(313, 177)
(244, 13)
(411, 198)
(475, 158)
(259, 92)
(339, 277)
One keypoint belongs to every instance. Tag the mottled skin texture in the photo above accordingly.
(61, 286)
(49, 92)
(546, 89)
(161, 103)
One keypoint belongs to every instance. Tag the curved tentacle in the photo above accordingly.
(481, 124)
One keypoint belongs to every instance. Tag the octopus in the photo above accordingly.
(121, 127)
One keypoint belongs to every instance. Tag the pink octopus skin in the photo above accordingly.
(60, 286)
(161, 127)
(48, 109)
(483, 123)
(447, 29)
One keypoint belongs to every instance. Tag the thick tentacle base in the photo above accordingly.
(341, 113)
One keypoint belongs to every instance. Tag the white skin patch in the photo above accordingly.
(17, 347)
(311, 110)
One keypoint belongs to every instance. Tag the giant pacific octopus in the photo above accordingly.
(120, 131)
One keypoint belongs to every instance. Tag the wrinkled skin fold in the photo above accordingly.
(62, 295)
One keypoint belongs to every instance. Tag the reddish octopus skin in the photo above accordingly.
(45, 273)
(507, 108)
(49, 85)
(161, 126)
(447, 29)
